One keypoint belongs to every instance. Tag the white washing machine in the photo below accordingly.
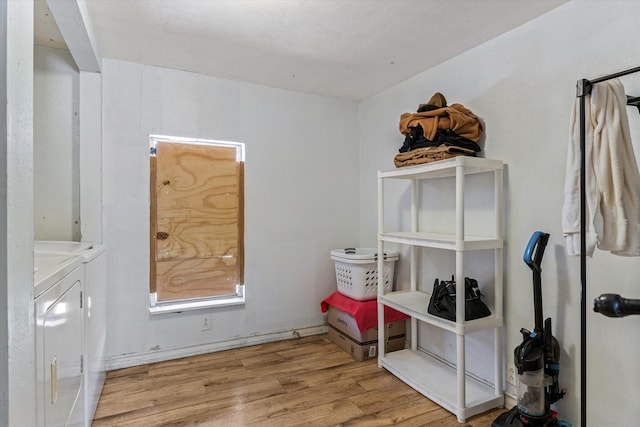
(59, 317)
(94, 259)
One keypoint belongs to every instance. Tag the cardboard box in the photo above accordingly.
(344, 332)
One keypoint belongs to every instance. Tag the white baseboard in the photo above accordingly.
(136, 359)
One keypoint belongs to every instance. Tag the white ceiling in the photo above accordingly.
(344, 48)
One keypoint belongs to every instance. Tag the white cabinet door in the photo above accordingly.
(60, 320)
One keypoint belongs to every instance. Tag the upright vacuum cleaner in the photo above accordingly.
(536, 358)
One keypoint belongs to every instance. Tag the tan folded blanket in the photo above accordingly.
(430, 154)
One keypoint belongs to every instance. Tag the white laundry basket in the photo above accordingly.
(357, 272)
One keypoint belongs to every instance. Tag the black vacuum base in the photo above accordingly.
(512, 419)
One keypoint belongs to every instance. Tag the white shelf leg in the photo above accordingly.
(459, 244)
(381, 328)
(380, 211)
(498, 302)
(499, 283)
(461, 380)
(497, 348)
(415, 200)
(414, 334)
(414, 286)
(497, 199)
(460, 294)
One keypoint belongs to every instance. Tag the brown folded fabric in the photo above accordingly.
(455, 117)
(430, 154)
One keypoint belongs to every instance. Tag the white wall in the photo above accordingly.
(90, 132)
(522, 84)
(56, 152)
(17, 373)
(301, 201)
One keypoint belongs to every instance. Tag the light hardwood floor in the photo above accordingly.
(306, 381)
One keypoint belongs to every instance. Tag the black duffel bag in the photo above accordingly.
(443, 300)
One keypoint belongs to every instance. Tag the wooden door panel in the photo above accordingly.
(216, 193)
(196, 278)
(153, 167)
(198, 201)
(197, 231)
(195, 238)
(196, 176)
(214, 216)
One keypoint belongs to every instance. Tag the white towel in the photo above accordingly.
(613, 181)
(571, 207)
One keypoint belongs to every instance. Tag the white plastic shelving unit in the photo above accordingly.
(446, 384)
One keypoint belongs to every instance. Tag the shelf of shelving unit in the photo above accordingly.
(444, 168)
(442, 241)
(415, 303)
(448, 385)
(437, 381)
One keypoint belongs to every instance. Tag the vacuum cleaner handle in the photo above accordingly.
(537, 243)
(613, 305)
(533, 258)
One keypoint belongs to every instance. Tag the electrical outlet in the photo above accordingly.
(511, 374)
(205, 322)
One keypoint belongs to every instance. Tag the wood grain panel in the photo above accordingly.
(197, 230)
(194, 176)
(195, 237)
(196, 278)
(153, 224)
(241, 221)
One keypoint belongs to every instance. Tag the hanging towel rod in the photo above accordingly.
(583, 88)
(634, 101)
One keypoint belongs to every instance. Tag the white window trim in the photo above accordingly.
(178, 306)
(156, 307)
